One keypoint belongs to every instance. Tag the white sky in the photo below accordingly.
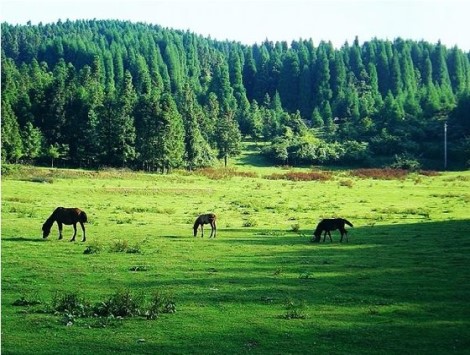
(253, 21)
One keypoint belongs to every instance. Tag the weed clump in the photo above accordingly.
(294, 310)
(122, 304)
(251, 222)
(295, 228)
(93, 248)
(122, 246)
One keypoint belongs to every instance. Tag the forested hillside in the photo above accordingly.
(111, 93)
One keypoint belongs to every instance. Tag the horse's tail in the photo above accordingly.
(347, 222)
(83, 217)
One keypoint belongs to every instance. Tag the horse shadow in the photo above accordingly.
(24, 239)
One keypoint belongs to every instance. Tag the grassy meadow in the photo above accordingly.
(400, 285)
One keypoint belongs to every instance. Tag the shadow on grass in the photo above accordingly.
(25, 239)
(443, 231)
(400, 288)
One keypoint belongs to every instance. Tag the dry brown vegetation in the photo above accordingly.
(302, 176)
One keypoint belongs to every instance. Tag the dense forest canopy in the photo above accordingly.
(113, 93)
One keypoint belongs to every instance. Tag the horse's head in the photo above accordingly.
(46, 230)
(316, 236)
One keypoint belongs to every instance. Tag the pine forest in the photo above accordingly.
(120, 94)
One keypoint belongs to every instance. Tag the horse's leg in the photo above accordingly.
(324, 236)
(202, 230)
(59, 224)
(329, 235)
(213, 229)
(343, 233)
(74, 232)
(346, 235)
(83, 229)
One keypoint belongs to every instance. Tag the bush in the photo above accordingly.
(405, 161)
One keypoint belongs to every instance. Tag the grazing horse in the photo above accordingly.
(208, 218)
(328, 225)
(68, 216)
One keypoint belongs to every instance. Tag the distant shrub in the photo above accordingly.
(301, 176)
(380, 174)
(406, 161)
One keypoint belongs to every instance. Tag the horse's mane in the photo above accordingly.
(318, 230)
(197, 222)
(49, 222)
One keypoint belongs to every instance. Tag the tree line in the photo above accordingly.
(115, 93)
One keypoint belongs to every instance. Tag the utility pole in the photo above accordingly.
(445, 145)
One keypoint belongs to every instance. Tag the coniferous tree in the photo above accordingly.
(118, 125)
(198, 150)
(289, 81)
(12, 146)
(170, 135)
(67, 81)
(228, 137)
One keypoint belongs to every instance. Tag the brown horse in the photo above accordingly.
(68, 216)
(328, 225)
(208, 218)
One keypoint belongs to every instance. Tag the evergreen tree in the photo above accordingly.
(228, 137)
(198, 151)
(289, 81)
(117, 127)
(12, 146)
(32, 141)
(170, 135)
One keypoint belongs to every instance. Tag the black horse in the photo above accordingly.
(208, 218)
(68, 216)
(328, 225)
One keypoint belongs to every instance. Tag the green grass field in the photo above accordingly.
(400, 285)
